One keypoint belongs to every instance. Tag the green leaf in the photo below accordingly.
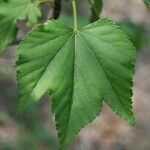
(21, 9)
(96, 8)
(135, 33)
(10, 12)
(8, 31)
(147, 3)
(80, 70)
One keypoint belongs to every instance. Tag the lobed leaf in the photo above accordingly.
(80, 69)
(10, 12)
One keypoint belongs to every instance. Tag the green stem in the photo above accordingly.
(74, 6)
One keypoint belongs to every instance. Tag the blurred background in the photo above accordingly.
(35, 128)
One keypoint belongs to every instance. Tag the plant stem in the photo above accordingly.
(74, 6)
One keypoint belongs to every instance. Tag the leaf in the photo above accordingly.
(96, 8)
(8, 31)
(135, 33)
(21, 9)
(10, 12)
(147, 3)
(79, 70)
